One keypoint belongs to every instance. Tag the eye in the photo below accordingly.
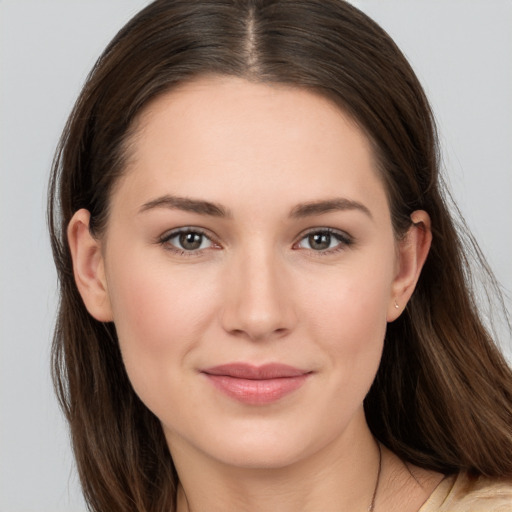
(324, 240)
(186, 240)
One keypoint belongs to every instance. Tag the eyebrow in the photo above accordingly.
(216, 210)
(186, 204)
(326, 206)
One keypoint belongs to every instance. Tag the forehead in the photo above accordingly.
(253, 138)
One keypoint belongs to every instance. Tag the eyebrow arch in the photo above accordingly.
(326, 206)
(186, 204)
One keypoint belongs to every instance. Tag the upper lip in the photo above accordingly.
(252, 372)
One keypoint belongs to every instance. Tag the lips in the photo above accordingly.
(256, 384)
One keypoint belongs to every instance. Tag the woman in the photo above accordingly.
(265, 303)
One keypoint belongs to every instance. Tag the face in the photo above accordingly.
(250, 267)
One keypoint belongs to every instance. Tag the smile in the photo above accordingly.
(256, 385)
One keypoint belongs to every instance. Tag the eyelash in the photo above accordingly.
(344, 241)
(165, 241)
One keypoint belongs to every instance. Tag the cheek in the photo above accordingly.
(153, 306)
(350, 317)
(159, 317)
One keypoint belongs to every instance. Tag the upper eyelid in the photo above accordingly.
(186, 229)
(331, 231)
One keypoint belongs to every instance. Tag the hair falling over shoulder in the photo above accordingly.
(442, 398)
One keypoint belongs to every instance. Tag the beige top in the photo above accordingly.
(462, 493)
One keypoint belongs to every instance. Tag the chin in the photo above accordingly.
(260, 455)
(269, 445)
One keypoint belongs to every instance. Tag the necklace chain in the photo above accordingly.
(371, 507)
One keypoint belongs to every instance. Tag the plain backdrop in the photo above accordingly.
(461, 50)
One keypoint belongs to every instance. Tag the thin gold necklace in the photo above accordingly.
(371, 507)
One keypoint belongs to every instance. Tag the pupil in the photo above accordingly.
(190, 241)
(320, 241)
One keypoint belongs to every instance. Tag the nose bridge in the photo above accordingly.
(258, 303)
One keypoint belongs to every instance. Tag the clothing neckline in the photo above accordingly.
(441, 491)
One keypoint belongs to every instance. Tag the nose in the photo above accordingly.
(259, 301)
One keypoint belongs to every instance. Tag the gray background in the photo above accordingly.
(461, 50)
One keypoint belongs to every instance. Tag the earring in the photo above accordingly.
(396, 304)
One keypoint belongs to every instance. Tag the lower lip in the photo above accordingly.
(257, 391)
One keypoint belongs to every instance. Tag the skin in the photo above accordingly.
(258, 290)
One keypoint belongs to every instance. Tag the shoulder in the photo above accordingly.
(465, 493)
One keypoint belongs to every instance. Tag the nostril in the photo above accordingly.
(259, 333)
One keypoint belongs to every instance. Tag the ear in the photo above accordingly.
(412, 253)
(88, 267)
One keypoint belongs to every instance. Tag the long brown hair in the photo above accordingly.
(442, 398)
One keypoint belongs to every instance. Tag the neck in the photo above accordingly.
(340, 476)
